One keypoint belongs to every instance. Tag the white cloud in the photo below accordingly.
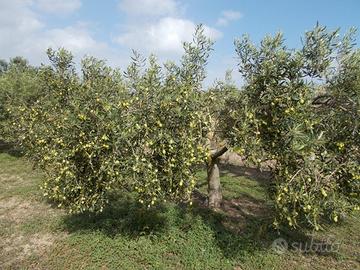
(15, 14)
(149, 7)
(165, 36)
(58, 6)
(227, 16)
(22, 33)
(157, 26)
(159, 30)
(76, 39)
(17, 23)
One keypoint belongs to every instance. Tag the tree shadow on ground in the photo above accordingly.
(263, 177)
(124, 215)
(241, 227)
(10, 149)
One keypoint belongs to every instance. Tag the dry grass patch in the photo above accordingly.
(22, 234)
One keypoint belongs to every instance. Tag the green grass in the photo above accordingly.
(237, 182)
(170, 236)
(17, 177)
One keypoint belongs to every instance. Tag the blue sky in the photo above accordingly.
(110, 29)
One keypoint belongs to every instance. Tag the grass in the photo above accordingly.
(238, 181)
(35, 235)
(17, 177)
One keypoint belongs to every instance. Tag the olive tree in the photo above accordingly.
(338, 107)
(141, 131)
(275, 118)
(169, 123)
(18, 85)
(74, 131)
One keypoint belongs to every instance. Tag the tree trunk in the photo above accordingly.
(214, 187)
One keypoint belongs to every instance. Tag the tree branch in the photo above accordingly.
(219, 153)
(322, 99)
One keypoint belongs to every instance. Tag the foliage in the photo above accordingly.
(168, 123)
(18, 85)
(74, 132)
(216, 99)
(3, 66)
(339, 111)
(103, 131)
(147, 129)
(274, 118)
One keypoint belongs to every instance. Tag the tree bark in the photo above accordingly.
(214, 187)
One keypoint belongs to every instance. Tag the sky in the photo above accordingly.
(110, 29)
